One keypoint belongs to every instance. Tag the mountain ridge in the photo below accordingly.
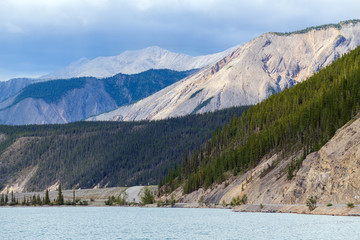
(68, 100)
(266, 65)
(135, 61)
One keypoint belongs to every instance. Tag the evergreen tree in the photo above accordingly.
(60, 198)
(302, 118)
(148, 197)
(47, 198)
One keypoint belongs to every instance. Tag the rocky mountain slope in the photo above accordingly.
(331, 174)
(63, 101)
(100, 154)
(299, 143)
(13, 86)
(259, 68)
(132, 62)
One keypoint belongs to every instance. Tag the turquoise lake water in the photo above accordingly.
(162, 223)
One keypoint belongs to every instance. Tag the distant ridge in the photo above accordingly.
(320, 27)
(266, 65)
(132, 62)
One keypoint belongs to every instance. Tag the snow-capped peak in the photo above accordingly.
(136, 61)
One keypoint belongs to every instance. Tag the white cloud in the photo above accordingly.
(61, 31)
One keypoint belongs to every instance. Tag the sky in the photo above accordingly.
(42, 36)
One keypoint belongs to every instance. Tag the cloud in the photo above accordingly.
(61, 31)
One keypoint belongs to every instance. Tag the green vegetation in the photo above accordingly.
(350, 205)
(329, 204)
(50, 91)
(126, 89)
(83, 154)
(196, 93)
(148, 197)
(120, 200)
(36, 200)
(321, 27)
(311, 203)
(237, 201)
(60, 198)
(201, 105)
(302, 118)
(167, 202)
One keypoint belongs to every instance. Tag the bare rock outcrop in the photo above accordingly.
(332, 174)
(250, 74)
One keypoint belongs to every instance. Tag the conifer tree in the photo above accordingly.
(60, 198)
(47, 199)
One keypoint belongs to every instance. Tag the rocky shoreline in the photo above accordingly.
(336, 210)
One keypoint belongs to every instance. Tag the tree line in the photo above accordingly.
(302, 118)
(84, 154)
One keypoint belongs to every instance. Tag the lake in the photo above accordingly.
(168, 223)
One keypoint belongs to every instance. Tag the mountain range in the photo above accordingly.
(132, 62)
(264, 66)
(298, 141)
(69, 100)
(243, 75)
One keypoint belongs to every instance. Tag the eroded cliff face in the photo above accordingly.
(250, 74)
(332, 174)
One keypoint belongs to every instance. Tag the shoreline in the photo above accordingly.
(321, 209)
(336, 210)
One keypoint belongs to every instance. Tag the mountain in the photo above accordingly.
(13, 86)
(264, 66)
(100, 154)
(299, 143)
(68, 100)
(132, 62)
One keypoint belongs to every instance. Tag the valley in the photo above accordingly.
(266, 127)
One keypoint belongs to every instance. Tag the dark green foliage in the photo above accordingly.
(196, 93)
(201, 105)
(350, 205)
(311, 203)
(125, 89)
(50, 91)
(304, 118)
(148, 197)
(46, 199)
(60, 198)
(237, 201)
(119, 153)
(294, 166)
(321, 27)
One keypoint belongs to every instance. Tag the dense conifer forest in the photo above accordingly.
(304, 118)
(123, 88)
(84, 154)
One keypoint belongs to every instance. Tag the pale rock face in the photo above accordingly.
(250, 74)
(132, 62)
(332, 174)
(74, 105)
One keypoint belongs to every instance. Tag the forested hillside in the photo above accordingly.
(304, 118)
(86, 154)
(75, 99)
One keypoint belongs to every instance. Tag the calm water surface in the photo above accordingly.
(161, 223)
